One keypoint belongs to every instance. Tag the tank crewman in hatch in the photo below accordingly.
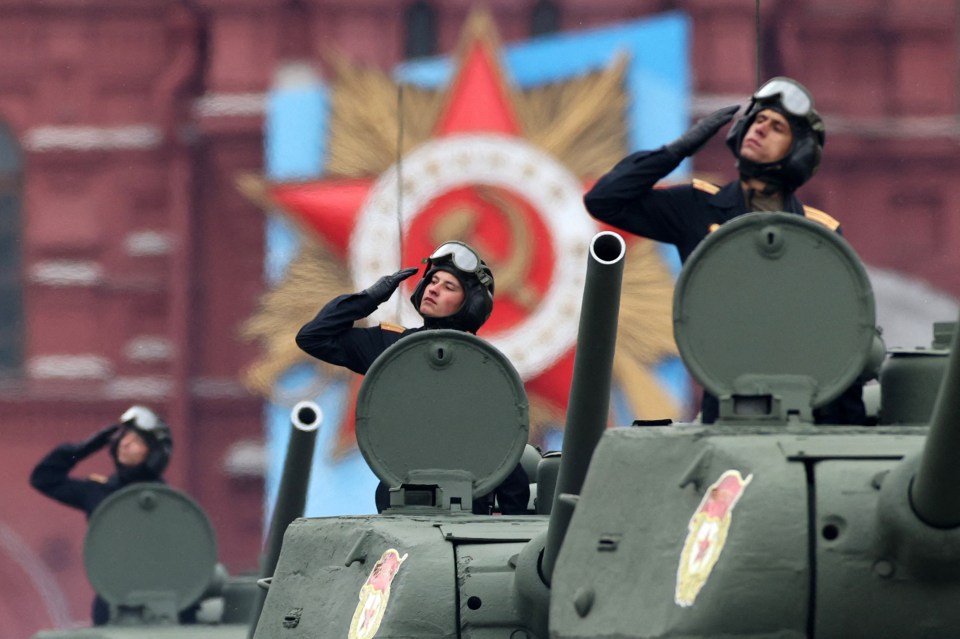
(455, 292)
(140, 445)
(778, 144)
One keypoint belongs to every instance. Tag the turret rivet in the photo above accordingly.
(877, 481)
(770, 242)
(440, 354)
(583, 601)
(148, 501)
(883, 568)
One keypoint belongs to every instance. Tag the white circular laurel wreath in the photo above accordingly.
(445, 164)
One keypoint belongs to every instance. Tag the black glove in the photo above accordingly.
(697, 135)
(95, 442)
(383, 288)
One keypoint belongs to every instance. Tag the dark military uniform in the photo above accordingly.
(51, 477)
(679, 215)
(332, 337)
(683, 215)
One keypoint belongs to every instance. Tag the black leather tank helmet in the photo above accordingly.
(155, 432)
(791, 99)
(474, 275)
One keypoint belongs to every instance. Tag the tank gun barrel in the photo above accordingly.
(589, 403)
(935, 492)
(305, 419)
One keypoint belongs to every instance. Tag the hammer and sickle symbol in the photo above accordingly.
(511, 271)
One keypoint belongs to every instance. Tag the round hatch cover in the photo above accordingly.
(149, 540)
(442, 400)
(774, 294)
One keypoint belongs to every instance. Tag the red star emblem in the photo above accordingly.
(703, 545)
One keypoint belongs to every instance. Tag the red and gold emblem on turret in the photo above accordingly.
(707, 534)
(374, 596)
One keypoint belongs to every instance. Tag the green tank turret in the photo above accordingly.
(442, 419)
(151, 553)
(910, 378)
(767, 523)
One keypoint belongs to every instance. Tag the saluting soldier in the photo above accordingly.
(777, 143)
(455, 292)
(140, 446)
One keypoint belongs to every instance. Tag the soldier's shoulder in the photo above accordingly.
(819, 216)
(393, 328)
(706, 187)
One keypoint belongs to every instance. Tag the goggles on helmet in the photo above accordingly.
(141, 418)
(794, 98)
(462, 256)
